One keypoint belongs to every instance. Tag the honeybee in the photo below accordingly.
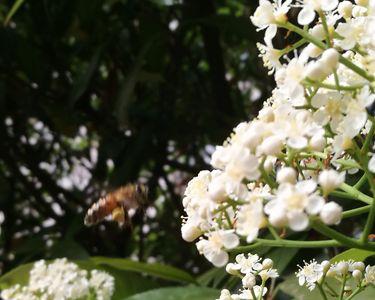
(117, 204)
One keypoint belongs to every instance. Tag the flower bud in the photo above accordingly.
(249, 281)
(267, 263)
(330, 59)
(317, 142)
(271, 146)
(329, 180)
(345, 9)
(232, 268)
(331, 273)
(358, 265)
(343, 267)
(331, 213)
(286, 175)
(357, 275)
(316, 71)
(216, 189)
(266, 114)
(361, 2)
(318, 32)
(190, 232)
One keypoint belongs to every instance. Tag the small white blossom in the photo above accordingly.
(331, 213)
(309, 274)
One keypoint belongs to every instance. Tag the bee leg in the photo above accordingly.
(118, 215)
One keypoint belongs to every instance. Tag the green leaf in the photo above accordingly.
(178, 293)
(17, 4)
(290, 289)
(156, 270)
(354, 254)
(212, 277)
(282, 257)
(18, 275)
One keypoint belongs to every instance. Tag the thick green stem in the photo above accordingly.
(360, 182)
(356, 211)
(355, 292)
(285, 244)
(322, 292)
(356, 194)
(339, 237)
(343, 287)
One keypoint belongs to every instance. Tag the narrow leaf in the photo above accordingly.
(17, 4)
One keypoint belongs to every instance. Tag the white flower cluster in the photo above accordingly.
(354, 275)
(278, 169)
(62, 280)
(250, 268)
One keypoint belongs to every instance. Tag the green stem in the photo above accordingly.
(321, 290)
(343, 288)
(346, 62)
(355, 193)
(356, 211)
(273, 232)
(292, 47)
(261, 290)
(368, 140)
(285, 244)
(253, 293)
(360, 182)
(331, 86)
(355, 292)
(371, 216)
(339, 237)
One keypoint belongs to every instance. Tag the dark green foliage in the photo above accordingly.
(116, 78)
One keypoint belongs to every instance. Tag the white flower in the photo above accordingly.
(103, 284)
(246, 294)
(307, 14)
(62, 279)
(293, 203)
(267, 14)
(268, 273)
(329, 180)
(249, 264)
(331, 213)
(190, 231)
(270, 57)
(249, 281)
(309, 274)
(250, 219)
(214, 247)
(225, 295)
(351, 32)
(345, 9)
(286, 175)
(370, 275)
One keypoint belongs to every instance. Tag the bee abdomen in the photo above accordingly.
(99, 210)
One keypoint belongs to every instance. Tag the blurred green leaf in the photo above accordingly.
(69, 249)
(212, 277)
(17, 4)
(282, 257)
(178, 293)
(154, 269)
(354, 254)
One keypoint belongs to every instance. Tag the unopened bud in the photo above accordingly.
(267, 264)
(357, 275)
(286, 175)
(326, 265)
(345, 9)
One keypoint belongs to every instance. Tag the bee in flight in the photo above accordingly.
(117, 204)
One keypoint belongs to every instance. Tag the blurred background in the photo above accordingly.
(95, 94)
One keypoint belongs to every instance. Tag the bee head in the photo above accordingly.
(142, 192)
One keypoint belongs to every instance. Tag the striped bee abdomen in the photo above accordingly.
(101, 209)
